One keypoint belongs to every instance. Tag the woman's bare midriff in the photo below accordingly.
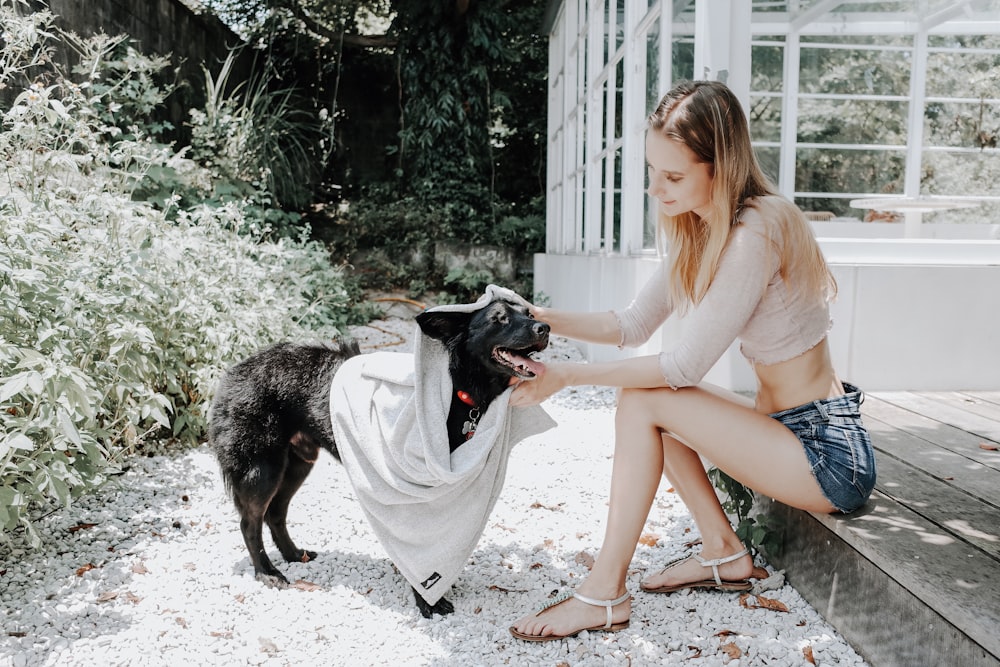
(789, 384)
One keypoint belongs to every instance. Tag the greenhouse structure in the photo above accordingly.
(880, 120)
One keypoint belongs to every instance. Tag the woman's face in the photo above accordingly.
(676, 178)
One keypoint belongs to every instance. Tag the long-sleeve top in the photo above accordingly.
(748, 299)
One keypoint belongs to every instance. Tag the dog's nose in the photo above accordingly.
(540, 329)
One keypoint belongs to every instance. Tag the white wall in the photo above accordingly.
(912, 314)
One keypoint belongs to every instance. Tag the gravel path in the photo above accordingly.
(153, 571)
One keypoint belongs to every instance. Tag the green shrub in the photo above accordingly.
(116, 317)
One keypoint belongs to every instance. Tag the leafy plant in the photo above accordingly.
(756, 531)
(116, 317)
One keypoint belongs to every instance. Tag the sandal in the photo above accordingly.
(717, 583)
(607, 627)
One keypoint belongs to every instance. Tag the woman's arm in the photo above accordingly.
(589, 327)
(637, 372)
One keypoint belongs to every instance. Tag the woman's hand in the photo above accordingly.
(548, 381)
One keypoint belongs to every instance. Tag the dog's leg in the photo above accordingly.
(442, 607)
(251, 525)
(295, 473)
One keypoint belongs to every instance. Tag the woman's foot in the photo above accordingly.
(573, 615)
(728, 571)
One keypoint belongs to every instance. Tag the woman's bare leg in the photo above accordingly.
(751, 447)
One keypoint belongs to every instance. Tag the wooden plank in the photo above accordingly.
(964, 517)
(988, 396)
(962, 474)
(851, 591)
(964, 401)
(945, 436)
(953, 577)
(946, 413)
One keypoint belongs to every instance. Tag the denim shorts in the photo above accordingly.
(837, 445)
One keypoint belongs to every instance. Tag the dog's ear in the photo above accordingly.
(443, 325)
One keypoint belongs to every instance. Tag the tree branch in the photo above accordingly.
(324, 31)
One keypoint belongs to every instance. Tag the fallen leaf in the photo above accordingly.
(85, 569)
(762, 603)
(181, 622)
(988, 446)
(649, 539)
(139, 568)
(697, 653)
(132, 598)
(732, 650)
(535, 566)
(724, 633)
(558, 507)
(585, 559)
(107, 596)
(81, 526)
(303, 585)
(807, 652)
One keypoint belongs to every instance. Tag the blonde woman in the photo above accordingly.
(741, 264)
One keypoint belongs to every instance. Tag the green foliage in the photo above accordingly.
(117, 317)
(253, 134)
(756, 531)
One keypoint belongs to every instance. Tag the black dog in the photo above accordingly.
(271, 414)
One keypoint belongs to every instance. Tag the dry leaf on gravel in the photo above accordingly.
(732, 650)
(585, 559)
(807, 652)
(762, 603)
(649, 539)
(303, 585)
(82, 570)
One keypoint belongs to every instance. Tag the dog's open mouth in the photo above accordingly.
(518, 361)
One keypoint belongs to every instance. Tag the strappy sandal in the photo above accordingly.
(607, 627)
(716, 583)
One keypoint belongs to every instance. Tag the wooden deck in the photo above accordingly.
(913, 578)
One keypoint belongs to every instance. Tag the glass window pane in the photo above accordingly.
(767, 68)
(770, 161)
(955, 74)
(849, 171)
(962, 125)
(852, 122)
(653, 93)
(841, 208)
(683, 59)
(650, 220)
(619, 95)
(616, 205)
(764, 117)
(952, 174)
(620, 24)
(854, 71)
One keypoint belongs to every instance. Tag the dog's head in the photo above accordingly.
(499, 336)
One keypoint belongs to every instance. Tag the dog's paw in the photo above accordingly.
(442, 607)
(272, 580)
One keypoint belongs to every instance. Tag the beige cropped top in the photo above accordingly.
(748, 299)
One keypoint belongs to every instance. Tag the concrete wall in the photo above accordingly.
(912, 314)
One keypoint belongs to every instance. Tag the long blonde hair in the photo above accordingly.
(707, 117)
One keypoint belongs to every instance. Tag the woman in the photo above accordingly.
(741, 263)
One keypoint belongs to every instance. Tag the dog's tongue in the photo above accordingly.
(526, 365)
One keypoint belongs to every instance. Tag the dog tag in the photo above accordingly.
(468, 429)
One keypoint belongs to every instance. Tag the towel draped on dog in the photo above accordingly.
(427, 506)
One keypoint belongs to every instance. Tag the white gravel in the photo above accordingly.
(152, 571)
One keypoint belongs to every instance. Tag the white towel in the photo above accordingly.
(426, 505)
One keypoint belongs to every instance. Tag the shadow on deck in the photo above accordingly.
(913, 578)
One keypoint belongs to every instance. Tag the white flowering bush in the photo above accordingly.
(116, 318)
